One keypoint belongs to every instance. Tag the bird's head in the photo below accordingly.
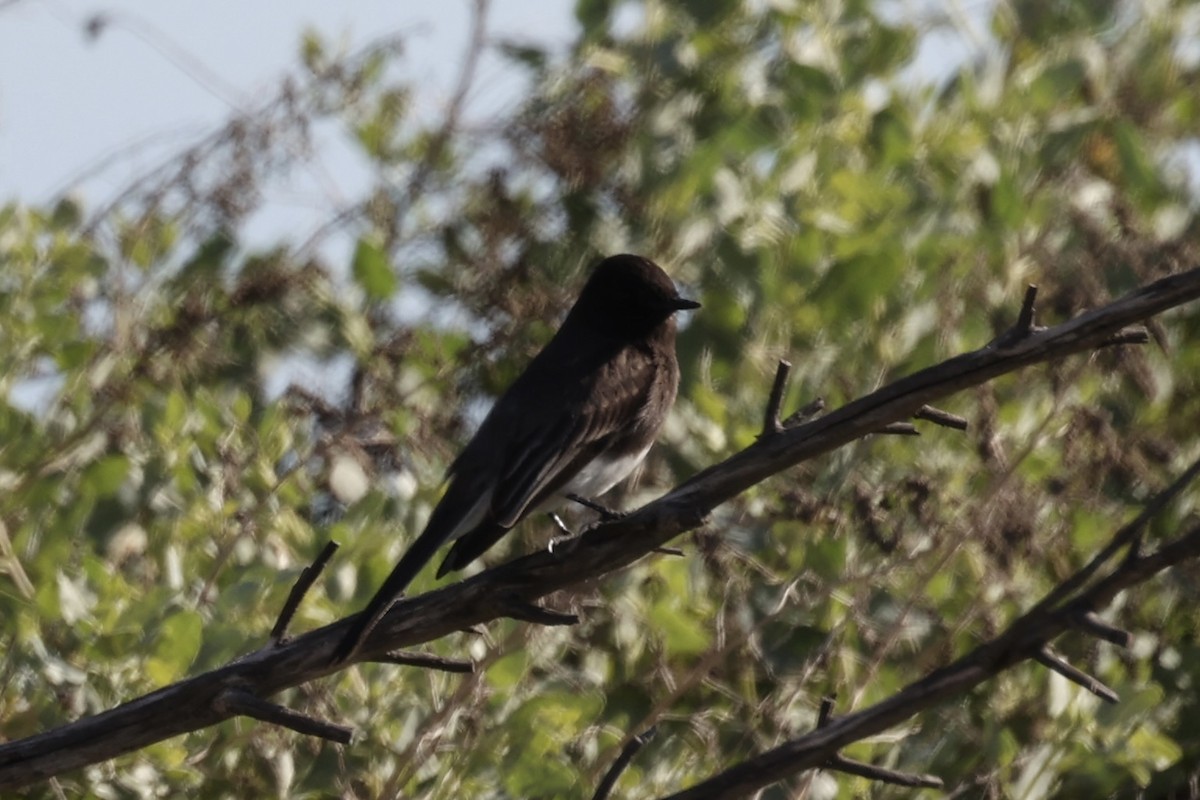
(629, 294)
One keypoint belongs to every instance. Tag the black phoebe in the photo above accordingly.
(580, 417)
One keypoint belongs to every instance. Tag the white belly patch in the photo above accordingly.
(602, 474)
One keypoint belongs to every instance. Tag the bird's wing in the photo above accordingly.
(546, 450)
(550, 452)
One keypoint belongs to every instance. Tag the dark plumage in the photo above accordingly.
(579, 419)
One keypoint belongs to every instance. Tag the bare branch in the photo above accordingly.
(1091, 623)
(627, 753)
(771, 423)
(1024, 327)
(1127, 535)
(189, 705)
(239, 702)
(308, 576)
(1050, 660)
(1025, 638)
(427, 661)
(939, 417)
(839, 763)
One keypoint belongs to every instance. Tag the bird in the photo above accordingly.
(576, 422)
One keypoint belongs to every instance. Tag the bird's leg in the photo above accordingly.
(558, 523)
(606, 514)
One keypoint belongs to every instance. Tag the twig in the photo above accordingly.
(426, 661)
(771, 423)
(1126, 535)
(825, 712)
(1025, 320)
(939, 417)
(244, 703)
(606, 514)
(1091, 623)
(840, 763)
(1024, 327)
(187, 705)
(1050, 660)
(850, 766)
(303, 583)
(618, 766)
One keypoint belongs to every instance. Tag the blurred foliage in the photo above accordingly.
(795, 167)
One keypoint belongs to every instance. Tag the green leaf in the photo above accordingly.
(105, 476)
(1136, 166)
(66, 214)
(508, 671)
(373, 272)
(827, 557)
(72, 355)
(593, 15)
(178, 642)
(312, 51)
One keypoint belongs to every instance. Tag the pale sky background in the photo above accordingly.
(165, 72)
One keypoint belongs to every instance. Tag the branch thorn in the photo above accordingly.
(304, 582)
(1048, 659)
(246, 704)
(426, 661)
(771, 423)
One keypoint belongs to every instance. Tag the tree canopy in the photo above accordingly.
(832, 200)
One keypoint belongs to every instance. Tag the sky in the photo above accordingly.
(88, 114)
(85, 115)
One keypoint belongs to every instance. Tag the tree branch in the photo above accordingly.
(241, 702)
(190, 704)
(626, 755)
(427, 661)
(1026, 638)
(771, 421)
(308, 577)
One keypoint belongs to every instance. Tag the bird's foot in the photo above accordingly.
(559, 540)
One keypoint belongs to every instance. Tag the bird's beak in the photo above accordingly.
(681, 304)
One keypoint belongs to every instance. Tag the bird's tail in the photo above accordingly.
(402, 575)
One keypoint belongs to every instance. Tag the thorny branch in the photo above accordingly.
(1025, 639)
(204, 700)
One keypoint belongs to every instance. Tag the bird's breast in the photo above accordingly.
(603, 473)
